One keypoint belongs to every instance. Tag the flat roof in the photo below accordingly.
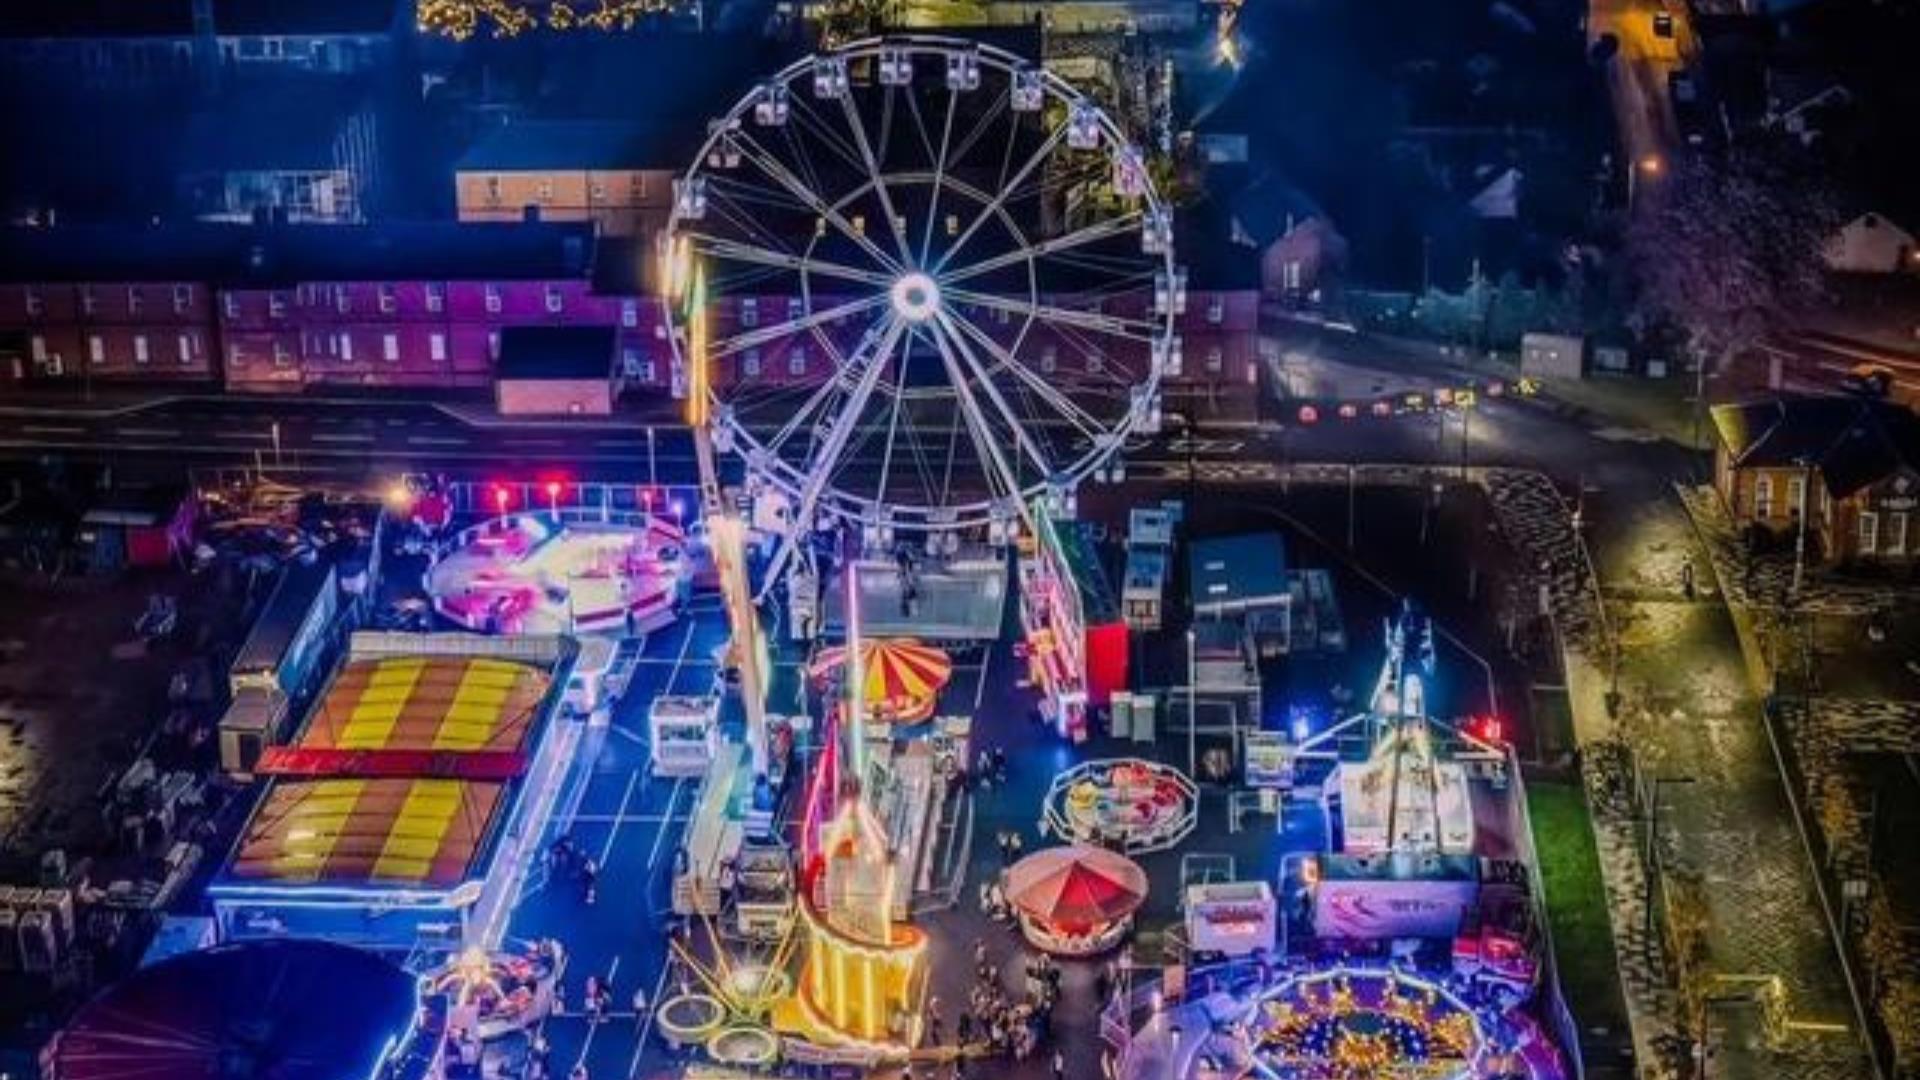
(1235, 573)
(375, 792)
(556, 352)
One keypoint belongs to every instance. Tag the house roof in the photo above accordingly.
(304, 16)
(248, 255)
(1852, 442)
(556, 352)
(96, 18)
(575, 144)
(287, 124)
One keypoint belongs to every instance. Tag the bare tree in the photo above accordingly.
(1730, 249)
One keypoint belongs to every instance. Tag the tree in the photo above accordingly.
(1730, 250)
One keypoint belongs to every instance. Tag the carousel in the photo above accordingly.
(1130, 804)
(900, 678)
(567, 573)
(1075, 900)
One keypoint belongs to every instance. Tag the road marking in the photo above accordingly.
(435, 440)
(606, 849)
(660, 834)
(592, 1027)
(533, 442)
(49, 429)
(148, 433)
(653, 1007)
(686, 642)
(324, 437)
(620, 443)
(242, 435)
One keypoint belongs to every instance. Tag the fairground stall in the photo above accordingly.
(1076, 640)
(900, 678)
(402, 814)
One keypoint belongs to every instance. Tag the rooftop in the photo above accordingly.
(265, 256)
(306, 16)
(556, 352)
(1852, 442)
(1232, 574)
(575, 144)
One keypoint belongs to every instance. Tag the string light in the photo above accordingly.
(462, 19)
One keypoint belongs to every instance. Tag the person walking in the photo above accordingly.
(589, 879)
(1059, 1066)
(639, 1011)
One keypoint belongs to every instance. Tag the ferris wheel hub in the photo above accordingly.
(916, 297)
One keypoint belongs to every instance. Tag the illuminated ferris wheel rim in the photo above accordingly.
(926, 301)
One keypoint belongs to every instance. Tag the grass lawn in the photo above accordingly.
(1577, 907)
(1663, 406)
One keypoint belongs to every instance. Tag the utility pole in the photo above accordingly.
(1800, 534)
(1193, 689)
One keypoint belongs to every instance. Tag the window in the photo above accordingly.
(342, 299)
(1049, 359)
(630, 362)
(493, 190)
(87, 301)
(140, 354)
(185, 344)
(1096, 364)
(795, 309)
(345, 342)
(637, 186)
(387, 300)
(493, 299)
(1216, 360)
(277, 304)
(555, 301)
(797, 362)
(1796, 496)
(437, 346)
(436, 296)
(182, 299)
(1216, 310)
(230, 304)
(1002, 316)
(749, 312)
(1869, 532)
(281, 358)
(36, 304)
(544, 191)
(629, 314)
(598, 191)
(133, 300)
(1897, 533)
(96, 349)
(39, 349)
(390, 347)
(493, 345)
(1763, 496)
(750, 363)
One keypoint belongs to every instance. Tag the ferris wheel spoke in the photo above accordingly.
(1088, 235)
(1033, 162)
(939, 169)
(1074, 414)
(722, 248)
(980, 127)
(1014, 424)
(985, 445)
(790, 327)
(767, 163)
(1114, 325)
(894, 222)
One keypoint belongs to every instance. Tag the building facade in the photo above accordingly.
(1835, 473)
(605, 172)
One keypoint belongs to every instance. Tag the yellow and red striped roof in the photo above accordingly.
(380, 832)
(372, 791)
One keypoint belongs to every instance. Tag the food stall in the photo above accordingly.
(685, 733)
(1231, 918)
(1075, 638)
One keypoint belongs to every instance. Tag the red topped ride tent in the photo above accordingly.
(1075, 899)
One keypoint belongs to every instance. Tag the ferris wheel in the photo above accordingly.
(939, 285)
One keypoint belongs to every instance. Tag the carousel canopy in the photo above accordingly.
(896, 673)
(285, 1009)
(1076, 885)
